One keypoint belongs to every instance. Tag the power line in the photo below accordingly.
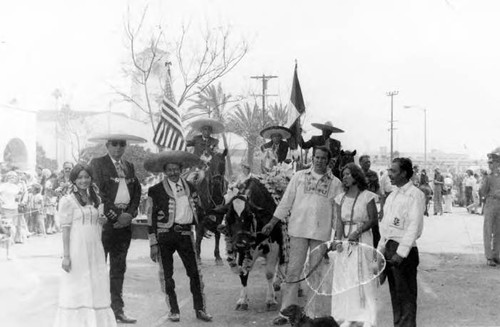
(392, 94)
(265, 79)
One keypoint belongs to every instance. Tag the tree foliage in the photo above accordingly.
(246, 121)
(43, 161)
(200, 57)
(136, 154)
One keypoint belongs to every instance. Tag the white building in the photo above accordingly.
(64, 137)
(18, 137)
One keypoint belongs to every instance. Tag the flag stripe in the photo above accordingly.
(169, 132)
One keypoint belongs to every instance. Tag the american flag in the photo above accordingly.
(169, 132)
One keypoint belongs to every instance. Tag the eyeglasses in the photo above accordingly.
(119, 143)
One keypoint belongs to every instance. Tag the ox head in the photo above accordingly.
(242, 223)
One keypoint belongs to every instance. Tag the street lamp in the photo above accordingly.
(425, 130)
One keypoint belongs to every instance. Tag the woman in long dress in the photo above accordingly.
(84, 298)
(356, 213)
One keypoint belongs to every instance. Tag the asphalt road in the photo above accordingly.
(456, 288)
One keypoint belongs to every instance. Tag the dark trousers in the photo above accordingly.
(184, 245)
(468, 195)
(376, 235)
(403, 286)
(116, 243)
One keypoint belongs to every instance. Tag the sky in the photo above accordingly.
(441, 55)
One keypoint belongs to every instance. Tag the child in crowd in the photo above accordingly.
(37, 211)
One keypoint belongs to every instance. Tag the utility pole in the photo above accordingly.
(265, 79)
(392, 94)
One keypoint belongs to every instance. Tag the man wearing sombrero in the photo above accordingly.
(171, 211)
(205, 143)
(324, 139)
(277, 134)
(120, 192)
(490, 189)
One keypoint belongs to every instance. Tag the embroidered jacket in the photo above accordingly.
(309, 202)
(161, 206)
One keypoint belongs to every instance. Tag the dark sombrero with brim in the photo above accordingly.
(157, 162)
(328, 126)
(217, 126)
(117, 137)
(268, 132)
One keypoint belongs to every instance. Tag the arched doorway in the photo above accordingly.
(15, 154)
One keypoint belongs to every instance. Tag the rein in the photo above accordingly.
(313, 269)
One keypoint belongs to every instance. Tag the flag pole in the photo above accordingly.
(300, 128)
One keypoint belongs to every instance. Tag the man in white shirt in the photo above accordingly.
(308, 200)
(400, 227)
(171, 210)
(120, 192)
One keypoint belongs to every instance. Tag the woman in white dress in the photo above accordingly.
(356, 213)
(84, 298)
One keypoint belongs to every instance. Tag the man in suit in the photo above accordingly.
(277, 134)
(120, 192)
(324, 139)
(205, 144)
(172, 212)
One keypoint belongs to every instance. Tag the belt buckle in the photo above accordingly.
(178, 228)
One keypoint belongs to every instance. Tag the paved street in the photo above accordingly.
(455, 286)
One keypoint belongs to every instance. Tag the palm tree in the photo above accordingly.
(212, 102)
(279, 114)
(246, 121)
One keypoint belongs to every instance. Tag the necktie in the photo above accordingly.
(119, 169)
(178, 187)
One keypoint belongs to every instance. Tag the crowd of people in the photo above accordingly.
(29, 202)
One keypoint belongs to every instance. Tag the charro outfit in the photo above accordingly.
(358, 303)
(120, 192)
(171, 216)
(84, 290)
(307, 204)
(319, 140)
(400, 227)
(202, 144)
(280, 149)
(490, 189)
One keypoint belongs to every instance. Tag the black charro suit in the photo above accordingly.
(116, 241)
(319, 140)
(282, 149)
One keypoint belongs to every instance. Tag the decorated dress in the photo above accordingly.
(355, 303)
(84, 296)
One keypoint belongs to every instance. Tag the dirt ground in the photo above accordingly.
(456, 288)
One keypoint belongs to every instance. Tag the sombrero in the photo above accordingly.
(157, 162)
(495, 154)
(328, 126)
(271, 130)
(126, 137)
(217, 126)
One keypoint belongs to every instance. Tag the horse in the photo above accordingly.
(341, 160)
(211, 186)
(246, 215)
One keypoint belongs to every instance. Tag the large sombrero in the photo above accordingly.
(117, 137)
(157, 162)
(268, 132)
(328, 126)
(495, 154)
(217, 126)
